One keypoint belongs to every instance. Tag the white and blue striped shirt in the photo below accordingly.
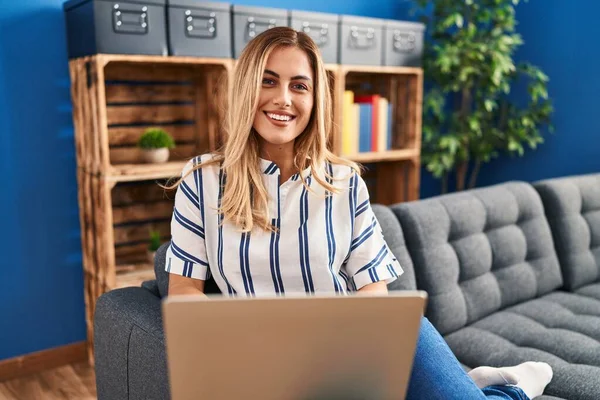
(323, 243)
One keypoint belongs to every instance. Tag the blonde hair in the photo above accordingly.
(245, 197)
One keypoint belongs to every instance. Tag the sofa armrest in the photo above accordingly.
(129, 349)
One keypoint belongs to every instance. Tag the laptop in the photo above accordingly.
(354, 347)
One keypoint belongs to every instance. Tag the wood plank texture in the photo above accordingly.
(149, 72)
(129, 135)
(97, 243)
(42, 360)
(87, 114)
(140, 172)
(75, 381)
(381, 156)
(149, 114)
(142, 212)
(122, 93)
(142, 192)
(133, 155)
(133, 233)
(143, 60)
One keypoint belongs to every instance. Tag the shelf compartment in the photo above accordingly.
(116, 98)
(403, 89)
(393, 182)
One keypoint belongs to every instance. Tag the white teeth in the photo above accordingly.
(279, 117)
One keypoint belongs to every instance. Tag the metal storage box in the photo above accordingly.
(248, 22)
(115, 27)
(322, 28)
(199, 28)
(403, 44)
(361, 40)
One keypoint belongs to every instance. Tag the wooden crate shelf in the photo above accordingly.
(403, 87)
(384, 156)
(116, 97)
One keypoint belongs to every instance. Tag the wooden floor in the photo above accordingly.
(74, 381)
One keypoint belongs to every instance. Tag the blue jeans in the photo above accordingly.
(437, 374)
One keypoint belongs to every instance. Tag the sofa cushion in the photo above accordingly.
(479, 251)
(573, 210)
(394, 237)
(561, 328)
(592, 290)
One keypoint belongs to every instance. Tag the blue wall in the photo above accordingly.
(41, 280)
(562, 39)
(41, 283)
(41, 291)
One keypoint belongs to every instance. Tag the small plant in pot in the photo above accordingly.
(155, 144)
(155, 243)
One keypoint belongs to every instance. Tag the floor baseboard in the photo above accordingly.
(35, 362)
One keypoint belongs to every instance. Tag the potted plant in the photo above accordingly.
(470, 115)
(155, 243)
(155, 144)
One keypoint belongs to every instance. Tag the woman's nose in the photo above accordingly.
(283, 98)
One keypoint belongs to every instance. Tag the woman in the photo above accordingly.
(275, 212)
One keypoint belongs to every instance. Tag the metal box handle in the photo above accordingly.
(404, 42)
(256, 26)
(362, 38)
(130, 19)
(318, 32)
(200, 26)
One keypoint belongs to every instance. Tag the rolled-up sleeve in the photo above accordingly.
(370, 259)
(186, 254)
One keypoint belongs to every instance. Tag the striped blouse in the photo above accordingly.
(323, 243)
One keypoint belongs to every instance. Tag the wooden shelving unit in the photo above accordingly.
(116, 97)
(396, 171)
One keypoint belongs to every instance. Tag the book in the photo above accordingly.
(390, 132)
(355, 128)
(373, 100)
(382, 136)
(365, 126)
(348, 123)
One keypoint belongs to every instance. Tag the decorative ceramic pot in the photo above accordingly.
(155, 155)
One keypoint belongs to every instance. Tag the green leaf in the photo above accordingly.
(156, 138)
(459, 20)
(490, 105)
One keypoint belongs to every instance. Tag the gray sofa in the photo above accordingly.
(512, 272)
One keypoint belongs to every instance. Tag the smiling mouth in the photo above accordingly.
(279, 117)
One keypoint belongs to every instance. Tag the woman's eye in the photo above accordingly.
(267, 81)
(300, 86)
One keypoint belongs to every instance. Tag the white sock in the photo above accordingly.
(489, 376)
(532, 377)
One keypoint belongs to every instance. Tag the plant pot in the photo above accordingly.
(155, 155)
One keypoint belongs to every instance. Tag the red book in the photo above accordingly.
(372, 99)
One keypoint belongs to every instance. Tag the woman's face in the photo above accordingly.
(286, 97)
